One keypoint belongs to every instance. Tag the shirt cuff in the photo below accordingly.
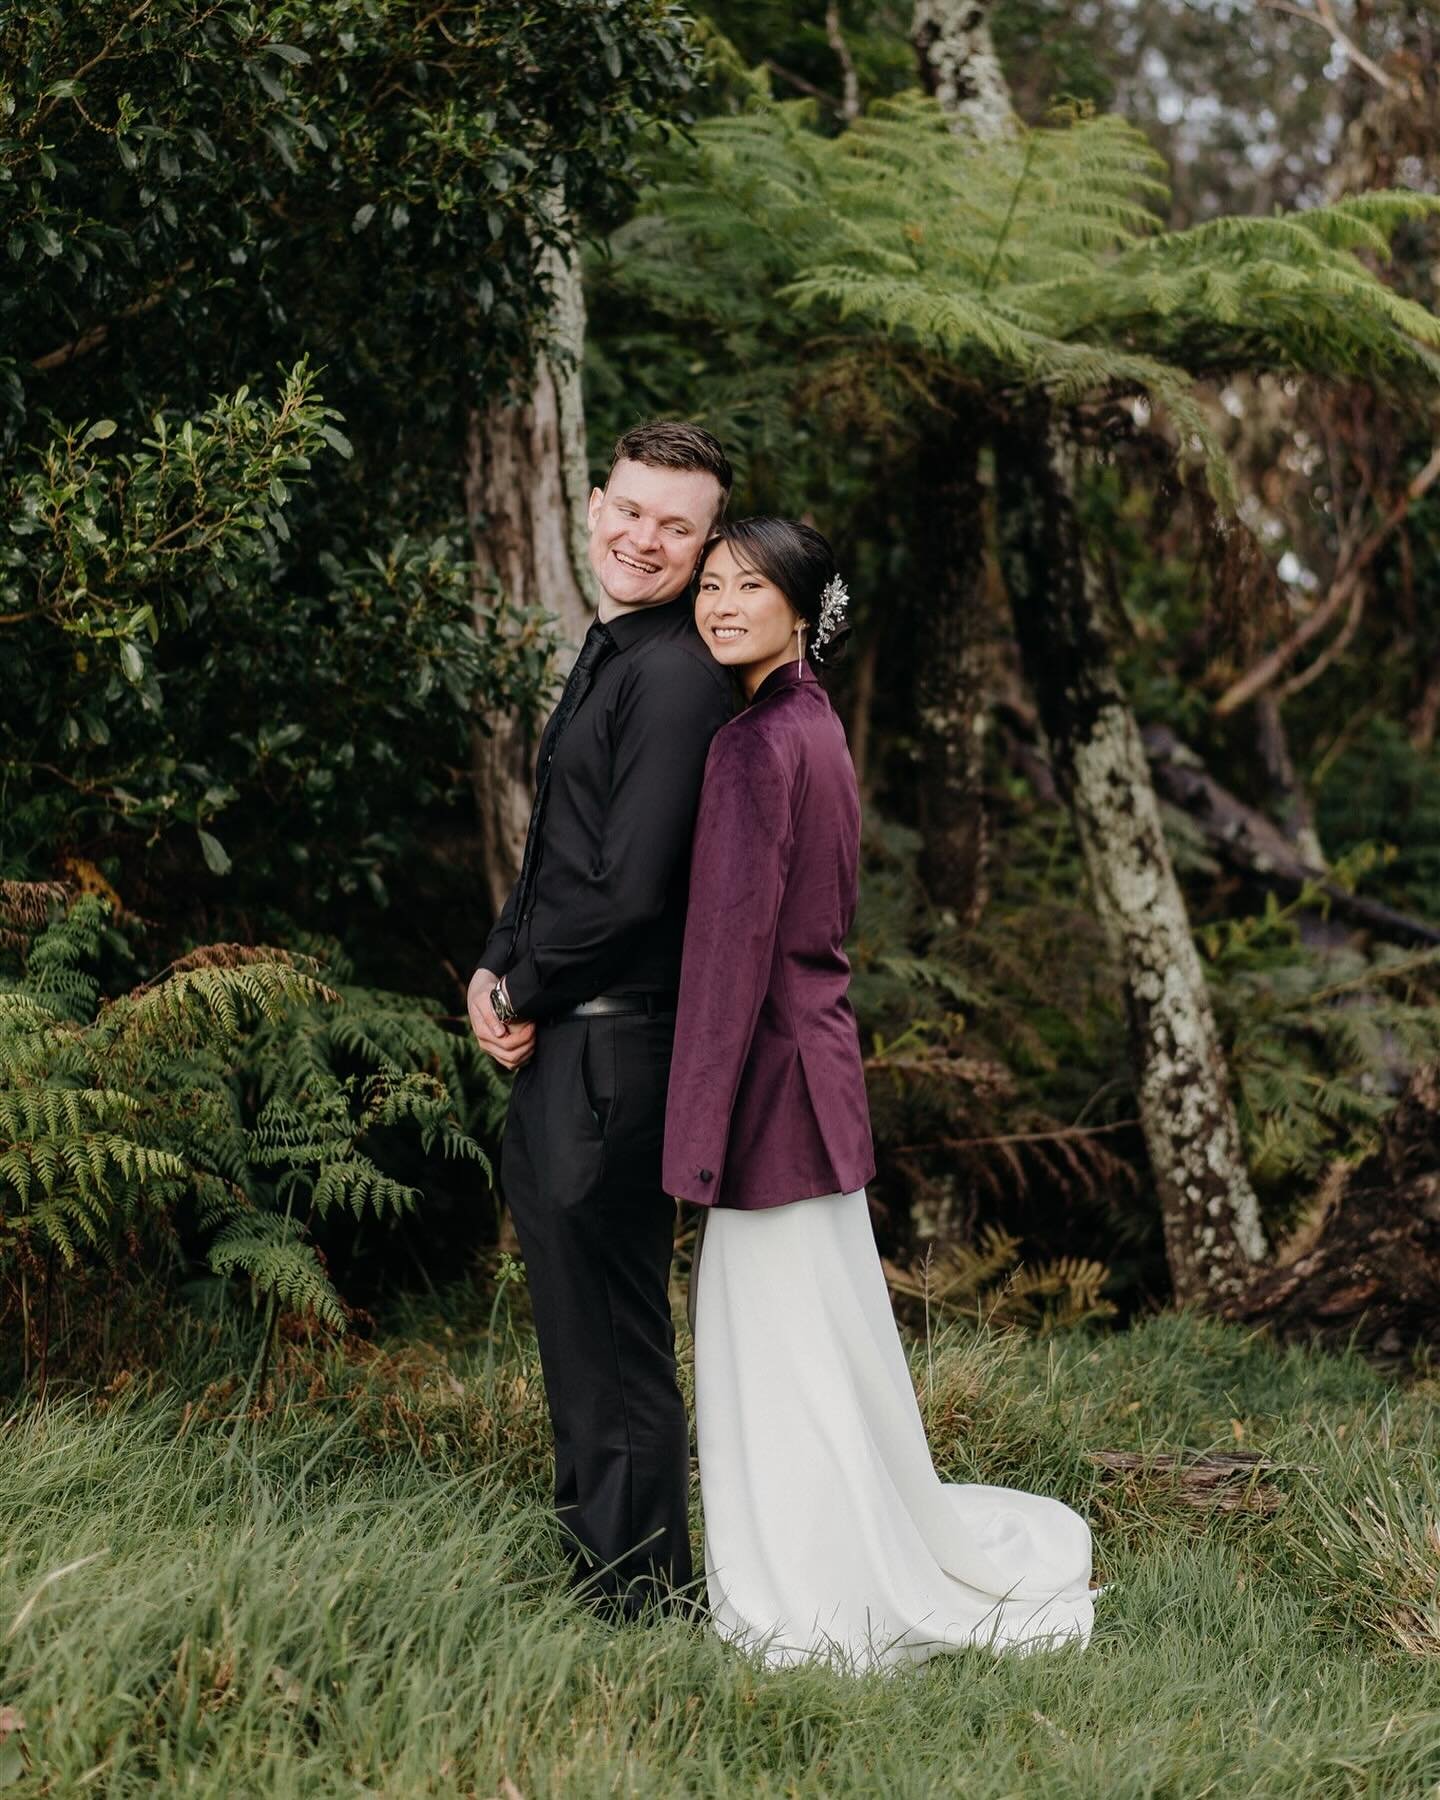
(497, 948)
(522, 984)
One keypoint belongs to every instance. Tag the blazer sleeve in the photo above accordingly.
(665, 720)
(743, 839)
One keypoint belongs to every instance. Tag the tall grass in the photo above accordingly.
(353, 1591)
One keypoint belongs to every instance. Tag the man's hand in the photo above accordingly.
(510, 1045)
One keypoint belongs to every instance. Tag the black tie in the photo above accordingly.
(597, 646)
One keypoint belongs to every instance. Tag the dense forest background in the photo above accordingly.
(1103, 342)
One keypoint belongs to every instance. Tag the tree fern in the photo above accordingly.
(1032, 262)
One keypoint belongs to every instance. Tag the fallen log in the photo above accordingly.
(1251, 845)
(1215, 1481)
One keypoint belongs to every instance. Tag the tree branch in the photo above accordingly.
(97, 334)
(1341, 594)
(1323, 15)
(799, 81)
(1254, 847)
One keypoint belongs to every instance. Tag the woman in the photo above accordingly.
(827, 1531)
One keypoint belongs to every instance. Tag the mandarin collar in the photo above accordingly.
(635, 622)
(790, 674)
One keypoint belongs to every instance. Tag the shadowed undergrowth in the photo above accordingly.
(353, 1592)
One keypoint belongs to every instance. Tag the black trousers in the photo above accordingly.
(580, 1168)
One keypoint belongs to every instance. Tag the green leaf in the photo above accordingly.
(216, 859)
(337, 440)
(102, 428)
(132, 663)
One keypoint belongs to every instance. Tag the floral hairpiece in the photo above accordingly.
(834, 604)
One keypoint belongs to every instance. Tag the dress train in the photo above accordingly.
(828, 1533)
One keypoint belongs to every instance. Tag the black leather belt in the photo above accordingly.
(611, 1006)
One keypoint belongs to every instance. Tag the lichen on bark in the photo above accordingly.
(1213, 1232)
(959, 66)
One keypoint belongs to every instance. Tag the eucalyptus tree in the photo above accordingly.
(1033, 270)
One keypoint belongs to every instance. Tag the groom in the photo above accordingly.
(576, 992)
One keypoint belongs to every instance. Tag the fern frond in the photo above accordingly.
(271, 1250)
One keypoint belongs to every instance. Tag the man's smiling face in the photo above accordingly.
(647, 527)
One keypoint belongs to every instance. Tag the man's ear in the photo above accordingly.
(592, 510)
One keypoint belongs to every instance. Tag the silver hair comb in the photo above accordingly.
(834, 609)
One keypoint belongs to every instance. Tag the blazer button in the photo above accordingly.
(707, 1174)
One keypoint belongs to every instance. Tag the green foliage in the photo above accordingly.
(185, 167)
(1035, 262)
(997, 1071)
(1320, 1040)
(213, 599)
(208, 1107)
(999, 1081)
(1379, 786)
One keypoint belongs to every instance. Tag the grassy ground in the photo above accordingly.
(355, 1593)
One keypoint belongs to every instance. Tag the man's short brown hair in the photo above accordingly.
(665, 444)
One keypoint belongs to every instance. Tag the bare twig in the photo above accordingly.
(1323, 15)
(1341, 595)
(1335, 648)
(799, 81)
(1015, 1137)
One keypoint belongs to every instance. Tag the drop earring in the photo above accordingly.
(799, 648)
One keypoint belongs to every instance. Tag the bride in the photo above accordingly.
(827, 1531)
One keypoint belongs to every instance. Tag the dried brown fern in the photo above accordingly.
(989, 1280)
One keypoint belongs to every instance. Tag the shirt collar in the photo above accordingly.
(791, 673)
(637, 622)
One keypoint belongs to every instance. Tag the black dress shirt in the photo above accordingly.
(606, 913)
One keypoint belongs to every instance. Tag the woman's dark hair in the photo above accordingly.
(796, 558)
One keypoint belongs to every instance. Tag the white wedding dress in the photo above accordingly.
(828, 1533)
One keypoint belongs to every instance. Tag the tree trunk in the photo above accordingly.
(526, 485)
(951, 664)
(1213, 1234)
(958, 64)
(1365, 1266)
(953, 673)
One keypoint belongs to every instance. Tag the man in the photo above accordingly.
(576, 992)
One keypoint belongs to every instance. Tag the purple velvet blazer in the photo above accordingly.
(767, 1090)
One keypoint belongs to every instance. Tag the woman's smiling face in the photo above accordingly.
(746, 621)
